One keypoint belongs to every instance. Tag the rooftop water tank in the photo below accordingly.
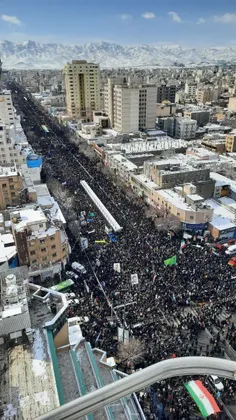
(34, 161)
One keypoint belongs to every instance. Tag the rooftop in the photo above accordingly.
(28, 216)
(123, 161)
(27, 386)
(195, 197)
(223, 218)
(159, 144)
(8, 171)
(223, 180)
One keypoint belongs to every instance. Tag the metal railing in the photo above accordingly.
(183, 366)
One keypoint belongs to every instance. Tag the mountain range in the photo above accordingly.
(32, 55)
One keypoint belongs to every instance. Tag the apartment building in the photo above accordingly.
(182, 202)
(216, 145)
(41, 244)
(6, 108)
(230, 143)
(202, 116)
(185, 128)
(204, 95)
(190, 209)
(232, 104)
(109, 96)
(14, 147)
(165, 110)
(133, 108)
(171, 172)
(190, 89)
(11, 186)
(82, 82)
(166, 93)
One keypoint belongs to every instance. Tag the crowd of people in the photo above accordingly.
(184, 309)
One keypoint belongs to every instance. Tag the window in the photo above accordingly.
(52, 238)
(53, 246)
(178, 214)
(13, 194)
(42, 241)
(191, 217)
(4, 185)
(44, 258)
(32, 252)
(12, 187)
(33, 261)
(54, 255)
(43, 250)
(40, 225)
(11, 180)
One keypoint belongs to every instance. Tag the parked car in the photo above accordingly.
(79, 268)
(72, 275)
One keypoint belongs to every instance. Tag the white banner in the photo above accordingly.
(134, 279)
(116, 267)
(126, 336)
(120, 334)
(84, 243)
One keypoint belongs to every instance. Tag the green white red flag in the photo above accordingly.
(202, 397)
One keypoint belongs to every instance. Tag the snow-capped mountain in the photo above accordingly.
(30, 55)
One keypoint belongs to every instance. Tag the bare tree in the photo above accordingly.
(132, 352)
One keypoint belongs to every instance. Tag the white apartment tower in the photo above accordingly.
(82, 82)
(6, 108)
(130, 107)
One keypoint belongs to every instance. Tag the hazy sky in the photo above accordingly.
(191, 23)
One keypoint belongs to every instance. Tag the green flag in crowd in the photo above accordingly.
(171, 261)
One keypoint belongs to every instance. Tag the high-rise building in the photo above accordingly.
(166, 93)
(6, 108)
(82, 81)
(130, 107)
(109, 96)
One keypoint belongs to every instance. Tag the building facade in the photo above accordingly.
(168, 173)
(201, 116)
(185, 128)
(130, 107)
(6, 108)
(40, 244)
(203, 95)
(11, 186)
(166, 93)
(82, 82)
(230, 143)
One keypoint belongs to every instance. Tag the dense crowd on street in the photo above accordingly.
(171, 309)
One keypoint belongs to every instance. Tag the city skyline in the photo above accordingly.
(204, 23)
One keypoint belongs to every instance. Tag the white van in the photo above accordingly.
(231, 250)
(216, 382)
(78, 267)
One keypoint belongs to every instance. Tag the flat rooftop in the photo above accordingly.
(159, 144)
(29, 216)
(174, 198)
(123, 161)
(223, 180)
(27, 385)
(8, 171)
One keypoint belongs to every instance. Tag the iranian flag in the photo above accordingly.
(202, 397)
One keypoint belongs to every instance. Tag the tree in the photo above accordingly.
(132, 352)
